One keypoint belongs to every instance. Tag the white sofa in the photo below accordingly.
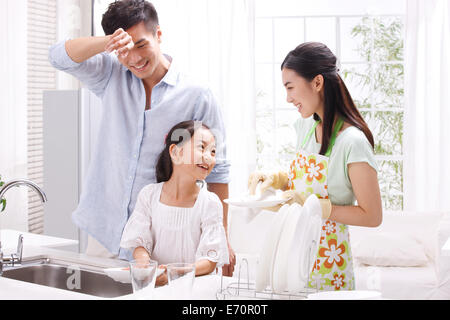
(401, 258)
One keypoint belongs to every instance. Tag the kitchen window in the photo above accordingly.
(368, 42)
(42, 32)
(369, 48)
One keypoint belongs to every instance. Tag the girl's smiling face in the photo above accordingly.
(197, 157)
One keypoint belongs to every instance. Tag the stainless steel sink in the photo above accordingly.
(67, 275)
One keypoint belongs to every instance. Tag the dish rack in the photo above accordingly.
(245, 289)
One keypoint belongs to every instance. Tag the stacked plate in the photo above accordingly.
(289, 250)
(269, 198)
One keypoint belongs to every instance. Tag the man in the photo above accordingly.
(143, 96)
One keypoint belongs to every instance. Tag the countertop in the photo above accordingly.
(9, 238)
(205, 287)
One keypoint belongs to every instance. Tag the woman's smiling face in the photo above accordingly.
(303, 94)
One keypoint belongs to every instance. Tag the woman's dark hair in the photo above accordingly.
(127, 13)
(311, 59)
(178, 135)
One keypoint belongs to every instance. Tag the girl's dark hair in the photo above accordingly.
(178, 136)
(311, 59)
(127, 13)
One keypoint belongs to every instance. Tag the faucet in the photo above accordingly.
(16, 258)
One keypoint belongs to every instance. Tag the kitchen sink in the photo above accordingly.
(68, 275)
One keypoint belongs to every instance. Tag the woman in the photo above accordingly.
(334, 160)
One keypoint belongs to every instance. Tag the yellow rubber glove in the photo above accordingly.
(276, 180)
(299, 197)
(326, 208)
(292, 195)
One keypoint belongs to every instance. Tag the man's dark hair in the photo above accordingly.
(128, 13)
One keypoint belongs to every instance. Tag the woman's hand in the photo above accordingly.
(300, 198)
(293, 196)
(276, 180)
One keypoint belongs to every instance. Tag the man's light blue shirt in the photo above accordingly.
(131, 138)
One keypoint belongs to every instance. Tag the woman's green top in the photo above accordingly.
(351, 146)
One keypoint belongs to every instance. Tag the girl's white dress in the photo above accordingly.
(174, 234)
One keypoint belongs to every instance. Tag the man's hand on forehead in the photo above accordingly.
(120, 42)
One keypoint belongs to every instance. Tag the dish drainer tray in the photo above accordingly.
(243, 288)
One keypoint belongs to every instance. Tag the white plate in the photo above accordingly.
(245, 202)
(123, 274)
(283, 254)
(312, 235)
(268, 250)
(295, 283)
(269, 198)
(304, 245)
(346, 295)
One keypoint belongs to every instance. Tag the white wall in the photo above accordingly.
(74, 21)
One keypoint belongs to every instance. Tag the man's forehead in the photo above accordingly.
(140, 32)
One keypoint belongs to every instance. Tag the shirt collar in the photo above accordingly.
(171, 77)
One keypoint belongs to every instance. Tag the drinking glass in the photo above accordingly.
(181, 280)
(143, 275)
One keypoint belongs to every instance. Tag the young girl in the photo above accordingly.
(175, 220)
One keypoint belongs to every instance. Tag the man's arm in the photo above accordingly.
(86, 59)
(221, 189)
(81, 49)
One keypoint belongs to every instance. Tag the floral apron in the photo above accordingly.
(333, 268)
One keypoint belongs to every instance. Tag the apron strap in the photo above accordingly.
(339, 124)
(313, 129)
(338, 127)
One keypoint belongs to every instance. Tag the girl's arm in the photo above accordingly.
(204, 266)
(142, 253)
(368, 212)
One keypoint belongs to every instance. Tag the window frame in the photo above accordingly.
(274, 110)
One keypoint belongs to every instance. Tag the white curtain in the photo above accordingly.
(213, 41)
(13, 110)
(427, 113)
